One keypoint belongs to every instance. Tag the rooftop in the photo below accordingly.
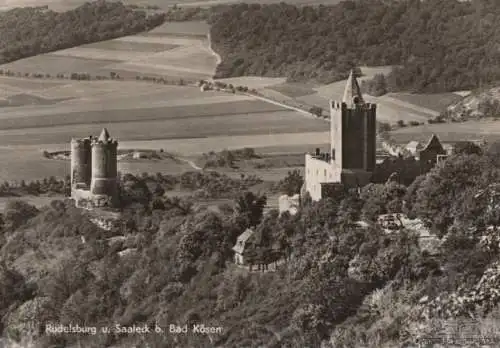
(104, 135)
(239, 247)
(352, 91)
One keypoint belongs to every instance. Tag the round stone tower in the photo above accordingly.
(104, 166)
(81, 165)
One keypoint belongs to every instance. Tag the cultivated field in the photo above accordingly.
(391, 107)
(254, 82)
(294, 90)
(179, 119)
(172, 51)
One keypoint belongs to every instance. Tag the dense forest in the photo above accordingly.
(29, 31)
(169, 261)
(437, 45)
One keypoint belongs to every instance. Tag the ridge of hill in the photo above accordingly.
(440, 45)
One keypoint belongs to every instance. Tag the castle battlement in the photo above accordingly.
(87, 140)
(342, 105)
(108, 143)
(320, 156)
(94, 171)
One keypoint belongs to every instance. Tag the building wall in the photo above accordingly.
(429, 156)
(355, 178)
(289, 204)
(81, 162)
(316, 172)
(370, 137)
(238, 259)
(336, 132)
(85, 199)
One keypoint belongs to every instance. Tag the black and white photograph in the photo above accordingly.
(249, 174)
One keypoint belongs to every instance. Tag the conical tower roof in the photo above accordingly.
(433, 141)
(352, 92)
(104, 137)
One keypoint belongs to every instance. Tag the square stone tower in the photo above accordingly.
(353, 134)
(350, 160)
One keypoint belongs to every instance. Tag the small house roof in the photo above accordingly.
(413, 145)
(239, 247)
(433, 141)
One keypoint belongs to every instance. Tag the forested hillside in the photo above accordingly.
(167, 261)
(30, 31)
(441, 45)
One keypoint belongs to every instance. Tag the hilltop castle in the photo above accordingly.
(351, 160)
(94, 171)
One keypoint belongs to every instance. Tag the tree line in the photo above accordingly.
(434, 45)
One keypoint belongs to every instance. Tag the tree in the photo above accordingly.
(410, 198)
(159, 190)
(316, 110)
(292, 183)
(250, 207)
(384, 127)
(376, 86)
(66, 280)
(467, 148)
(203, 234)
(446, 188)
(17, 213)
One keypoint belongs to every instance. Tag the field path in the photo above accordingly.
(191, 163)
(267, 100)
